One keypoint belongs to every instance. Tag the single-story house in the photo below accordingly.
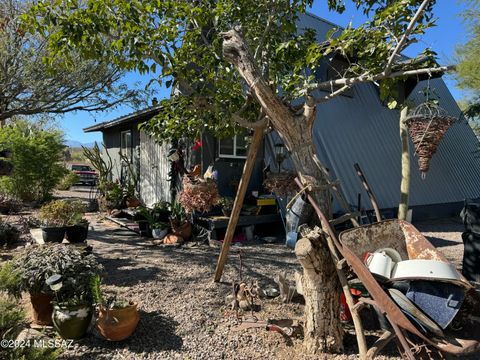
(353, 128)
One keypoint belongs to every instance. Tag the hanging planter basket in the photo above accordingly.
(427, 124)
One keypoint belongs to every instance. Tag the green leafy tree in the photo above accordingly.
(236, 64)
(468, 69)
(29, 85)
(37, 152)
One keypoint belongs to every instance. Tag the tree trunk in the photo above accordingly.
(322, 321)
(322, 331)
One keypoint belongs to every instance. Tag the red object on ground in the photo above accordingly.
(345, 314)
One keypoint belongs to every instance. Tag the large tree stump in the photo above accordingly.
(322, 332)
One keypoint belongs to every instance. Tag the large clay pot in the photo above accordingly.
(71, 322)
(42, 308)
(77, 233)
(184, 230)
(117, 324)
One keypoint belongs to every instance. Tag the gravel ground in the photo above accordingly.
(182, 311)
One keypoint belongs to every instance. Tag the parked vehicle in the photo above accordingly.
(86, 173)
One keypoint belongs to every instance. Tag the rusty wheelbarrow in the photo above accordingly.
(402, 236)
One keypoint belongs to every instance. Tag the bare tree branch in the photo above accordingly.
(261, 43)
(261, 121)
(369, 77)
(333, 94)
(247, 124)
(404, 37)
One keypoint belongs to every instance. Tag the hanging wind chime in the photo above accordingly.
(427, 124)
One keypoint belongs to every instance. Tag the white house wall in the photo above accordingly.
(154, 169)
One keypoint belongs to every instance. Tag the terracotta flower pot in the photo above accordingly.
(133, 202)
(184, 230)
(117, 324)
(71, 322)
(42, 308)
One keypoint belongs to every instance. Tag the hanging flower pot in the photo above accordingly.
(427, 124)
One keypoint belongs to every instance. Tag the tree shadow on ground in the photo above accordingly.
(120, 237)
(453, 224)
(439, 242)
(125, 271)
(254, 261)
(155, 333)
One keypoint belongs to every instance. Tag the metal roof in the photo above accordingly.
(141, 115)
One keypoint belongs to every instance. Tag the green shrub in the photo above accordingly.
(11, 315)
(12, 319)
(37, 263)
(10, 280)
(61, 213)
(37, 153)
(9, 234)
(68, 181)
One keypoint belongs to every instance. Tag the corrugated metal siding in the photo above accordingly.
(361, 129)
(154, 168)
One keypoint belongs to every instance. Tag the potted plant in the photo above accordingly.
(156, 219)
(162, 211)
(77, 226)
(72, 303)
(227, 205)
(198, 194)
(56, 216)
(78, 232)
(181, 226)
(117, 319)
(112, 195)
(38, 263)
(159, 229)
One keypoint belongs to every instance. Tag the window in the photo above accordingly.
(81, 168)
(235, 147)
(126, 144)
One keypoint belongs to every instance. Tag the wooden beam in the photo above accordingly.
(237, 205)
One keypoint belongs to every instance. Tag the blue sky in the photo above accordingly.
(443, 38)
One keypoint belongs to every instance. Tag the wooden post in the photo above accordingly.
(405, 184)
(370, 194)
(237, 205)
